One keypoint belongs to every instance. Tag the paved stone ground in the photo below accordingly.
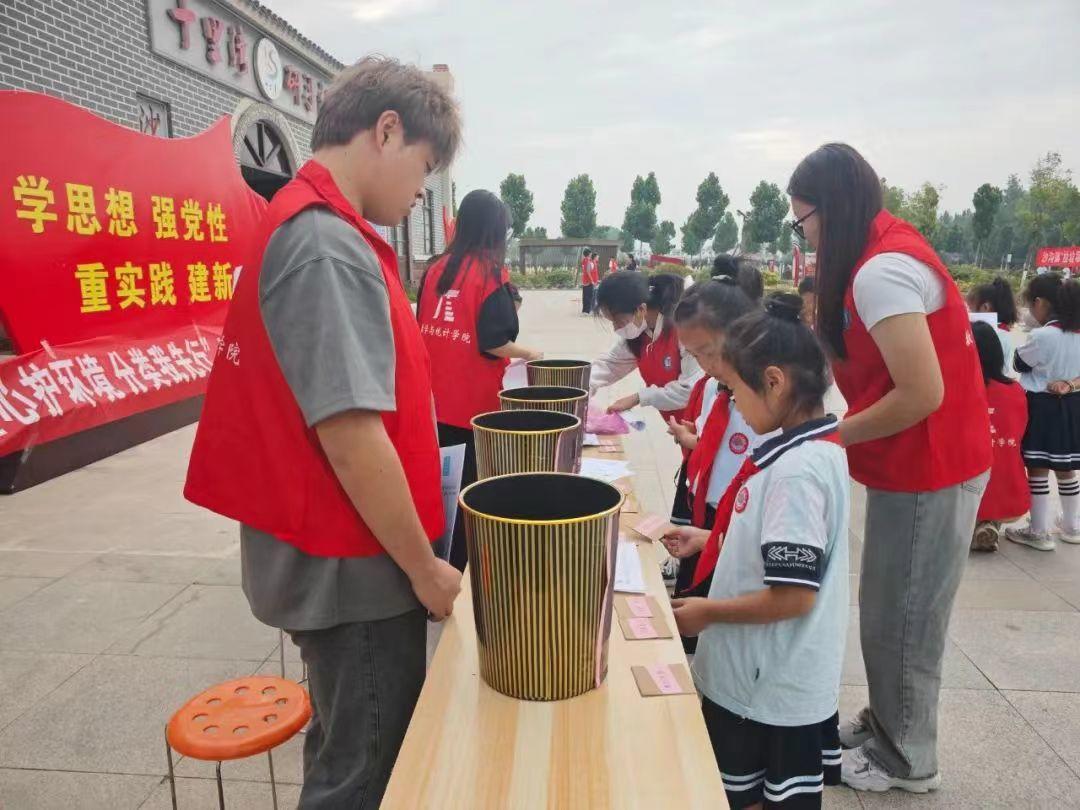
(118, 600)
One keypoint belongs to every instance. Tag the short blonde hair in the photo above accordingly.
(364, 91)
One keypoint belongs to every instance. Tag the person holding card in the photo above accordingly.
(772, 629)
(468, 319)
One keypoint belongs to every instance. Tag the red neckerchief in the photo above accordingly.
(700, 464)
(706, 563)
(693, 406)
(1005, 327)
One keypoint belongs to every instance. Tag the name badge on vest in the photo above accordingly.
(668, 363)
(847, 319)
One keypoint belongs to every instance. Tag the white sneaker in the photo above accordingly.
(860, 772)
(1026, 537)
(1067, 535)
(853, 732)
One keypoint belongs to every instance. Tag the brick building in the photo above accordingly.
(173, 67)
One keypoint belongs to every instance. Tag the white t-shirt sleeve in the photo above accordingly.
(896, 284)
(794, 532)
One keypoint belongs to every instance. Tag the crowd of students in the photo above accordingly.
(333, 471)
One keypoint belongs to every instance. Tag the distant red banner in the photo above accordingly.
(1058, 257)
(118, 256)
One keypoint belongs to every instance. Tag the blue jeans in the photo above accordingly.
(364, 679)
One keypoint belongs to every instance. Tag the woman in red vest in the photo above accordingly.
(917, 434)
(469, 323)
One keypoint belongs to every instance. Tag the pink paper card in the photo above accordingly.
(663, 679)
(653, 527)
(641, 627)
(639, 607)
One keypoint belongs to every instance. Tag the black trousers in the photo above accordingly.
(450, 435)
(587, 292)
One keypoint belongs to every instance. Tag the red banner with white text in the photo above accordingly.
(118, 256)
(1058, 257)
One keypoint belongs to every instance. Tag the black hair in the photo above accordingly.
(999, 295)
(741, 272)
(807, 285)
(622, 292)
(480, 233)
(1063, 295)
(776, 336)
(515, 293)
(715, 304)
(845, 193)
(991, 354)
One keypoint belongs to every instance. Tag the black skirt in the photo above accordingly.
(1052, 438)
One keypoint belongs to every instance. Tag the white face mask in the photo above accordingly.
(631, 330)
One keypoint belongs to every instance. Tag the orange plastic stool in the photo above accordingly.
(237, 719)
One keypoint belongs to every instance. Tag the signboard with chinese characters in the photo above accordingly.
(118, 255)
(213, 40)
(1058, 257)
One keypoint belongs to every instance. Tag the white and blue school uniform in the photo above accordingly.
(1052, 438)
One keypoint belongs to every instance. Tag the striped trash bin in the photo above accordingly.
(570, 373)
(542, 552)
(526, 441)
(565, 399)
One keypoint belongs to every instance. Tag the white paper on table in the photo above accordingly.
(452, 461)
(516, 375)
(635, 418)
(985, 317)
(604, 469)
(628, 576)
(591, 440)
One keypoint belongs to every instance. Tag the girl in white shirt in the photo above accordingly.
(997, 297)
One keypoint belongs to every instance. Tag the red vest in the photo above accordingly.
(594, 271)
(612, 265)
(1007, 494)
(256, 461)
(464, 381)
(586, 271)
(949, 446)
(659, 363)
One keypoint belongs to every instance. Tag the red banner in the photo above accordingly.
(1058, 257)
(118, 256)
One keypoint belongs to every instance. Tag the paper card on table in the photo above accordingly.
(590, 440)
(663, 679)
(604, 469)
(628, 576)
(640, 628)
(627, 606)
(609, 448)
(653, 527)
(630, 503)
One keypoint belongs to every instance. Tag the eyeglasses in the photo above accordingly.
(796, 225)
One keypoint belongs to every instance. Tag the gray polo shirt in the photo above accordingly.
(326, 309)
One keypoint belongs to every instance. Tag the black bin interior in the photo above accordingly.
(539, 496)
(543, 393)
(559, 363)
(533, 421)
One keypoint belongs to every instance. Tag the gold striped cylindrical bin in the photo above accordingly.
(574, 401)
(572, 373)
(542, 566)
(525, 441)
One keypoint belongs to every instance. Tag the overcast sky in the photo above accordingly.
(951, 91)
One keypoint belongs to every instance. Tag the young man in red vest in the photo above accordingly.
(318, 431)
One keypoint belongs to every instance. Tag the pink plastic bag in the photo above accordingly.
(602, 422)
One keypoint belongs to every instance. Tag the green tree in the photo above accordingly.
(650, 191)
(517, 196)
(578, 208)
(538, 232)
(605, 232)
(920, 209)
(987, 202)
(783, 242)
(692, 239)
(1048, 214)
(663, 242)
(639, 221)
(727, 234)
(768, 207)
(711, 204)
(893, 197)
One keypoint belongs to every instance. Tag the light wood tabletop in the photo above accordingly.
(469, 746)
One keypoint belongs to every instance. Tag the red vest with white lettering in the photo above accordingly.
(586, 271)
(660, 362)
(952, 444)
(465, 382)
(255, 460)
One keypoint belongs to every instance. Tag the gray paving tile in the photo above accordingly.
(1025, 650)
(994, 565)
(225, 571)
(840, 798)
(1056, 717)
(144, 568)
(15, 589)
(61, 790)
(111, 716)
(1060, 565)
(1069, 591)
(989, 758)
(204, 621)
(80, 615)
(27, 677)
(1008, 594)
(202, 793)
(25, 563)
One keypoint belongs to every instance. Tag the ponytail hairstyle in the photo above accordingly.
(998, 295)
(714, 305)
(991, 355)
(479, 233)
(845, 193)
(741, 272)
(622, 292)
(776, 336)
(1063, 295)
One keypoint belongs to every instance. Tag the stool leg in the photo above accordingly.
(273, 784)
(172, 778)
(281, 647)
(220, 789)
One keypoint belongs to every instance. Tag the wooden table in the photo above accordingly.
(471, 747)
